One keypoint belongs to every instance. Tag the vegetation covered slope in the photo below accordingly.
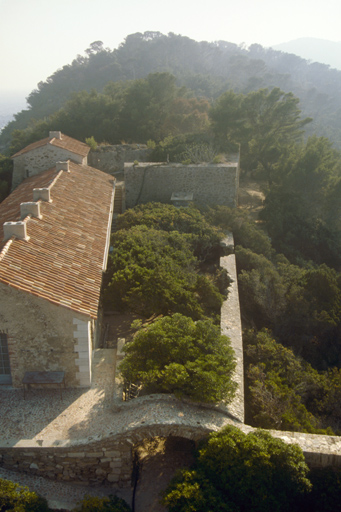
(207, 69)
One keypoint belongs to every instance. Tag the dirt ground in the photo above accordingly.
(251, 197)
(159, 460)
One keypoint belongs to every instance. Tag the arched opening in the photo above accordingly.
(156, 461)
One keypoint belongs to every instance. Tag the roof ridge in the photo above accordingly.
(5, 248)
(55, 179)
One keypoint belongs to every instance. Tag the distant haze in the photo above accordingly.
(10, 103)
(314, 50)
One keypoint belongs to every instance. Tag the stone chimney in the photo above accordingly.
(42, 194)
(63, 166)
(31, 208)
(17, 229)
(55, 135)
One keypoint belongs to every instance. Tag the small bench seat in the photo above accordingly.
(44, 378)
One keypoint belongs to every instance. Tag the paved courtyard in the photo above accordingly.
(43, 415)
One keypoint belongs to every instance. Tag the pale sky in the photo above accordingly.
(38, 36)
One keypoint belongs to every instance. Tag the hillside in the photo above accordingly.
(314, 50)
(208, 69)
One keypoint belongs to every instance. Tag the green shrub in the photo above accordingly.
(16, 498)
(106, 504)
(180, 356)
(90, 141)
(235, 472)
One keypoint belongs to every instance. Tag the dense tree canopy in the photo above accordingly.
(203, 236)
(300, 305)
(155, 272)
(239, 473)
(180, 356)
(303, 210)
(208, 69)
(132, 111)
(285, 392)
(6, 168)
(266, 123)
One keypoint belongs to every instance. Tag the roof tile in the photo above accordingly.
(60, 262)
(66, 142)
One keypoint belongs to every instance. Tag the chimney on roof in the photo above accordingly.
(30, 208)
(55, 135)
(17, 229)
(63, 166)
(42, 194)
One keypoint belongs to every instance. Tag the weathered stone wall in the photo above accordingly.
(210, 183)
(109, 461)
(110, 458)
(40, 159)
(111, 159)
(89, 460)
(231, 326)
(43, 336)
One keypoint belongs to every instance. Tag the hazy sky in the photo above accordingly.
(39, 36)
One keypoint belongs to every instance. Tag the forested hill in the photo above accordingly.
(208, 69)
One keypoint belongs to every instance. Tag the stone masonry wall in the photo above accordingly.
(231, 326)
(83, 346)
(89, 460)
(41, 159)
(41, 336)
(215, 184)
(111, 159)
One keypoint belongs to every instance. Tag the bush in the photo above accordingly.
(180, 356)
(202, 235)
(16, 498)
(238, 472)
(155, 272)
(107, 504)
(90, 141)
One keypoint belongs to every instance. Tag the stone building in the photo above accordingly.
(43, 154)
(53, 251)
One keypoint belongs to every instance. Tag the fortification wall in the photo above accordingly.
(215, 184)
(111, 159)
(110, 458)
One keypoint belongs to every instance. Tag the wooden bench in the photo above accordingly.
(44, 378)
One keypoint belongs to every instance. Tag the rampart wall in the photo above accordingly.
(215, 184)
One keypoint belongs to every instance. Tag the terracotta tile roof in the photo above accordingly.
(66, 142)
(63, 259)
